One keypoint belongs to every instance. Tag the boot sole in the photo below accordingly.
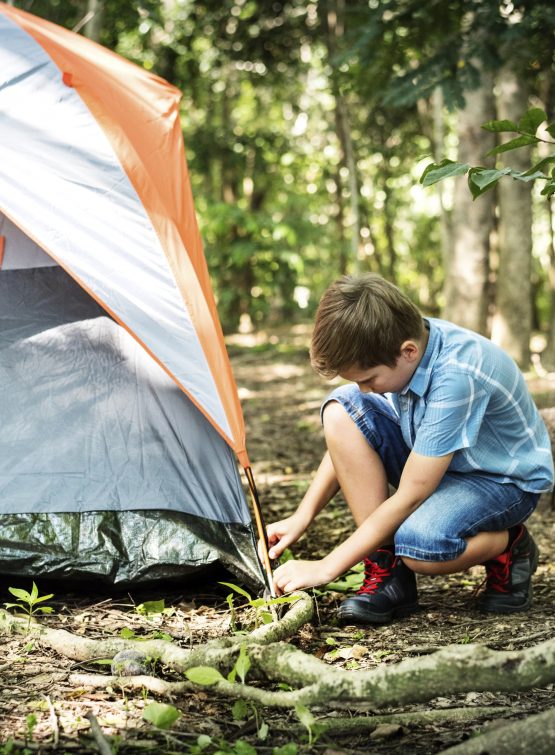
(524, 606)
(368, 617)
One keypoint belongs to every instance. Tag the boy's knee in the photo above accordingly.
(334, 417)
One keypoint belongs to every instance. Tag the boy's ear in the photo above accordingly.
(410, 350)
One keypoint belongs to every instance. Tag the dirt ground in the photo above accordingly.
(40, 711)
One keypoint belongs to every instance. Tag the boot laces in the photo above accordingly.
(374, 575)
(498, 573)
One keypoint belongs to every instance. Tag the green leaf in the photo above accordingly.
(520, 141)
(126, 633)
(34, 592)
(43, 598)
(435, 172)
(240, 710)
(237, 589)
(289, 749)
(531, 120)
(527, 176)
(352, 581)
(16, 605)
(266, 617)
(498, 127)
(263, 731)
(161, 715)
(541, 165)
(159, 636)
(243, 748)
(20, 594)
(243, 663)
(482, 179)
(549, 189)
(551, 130)
(287, 555)
(151, 607)
(44, 609)
(203, 675)
(204, 741)
(305, 716)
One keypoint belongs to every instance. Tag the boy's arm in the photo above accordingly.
(321, 490)
(421, 476)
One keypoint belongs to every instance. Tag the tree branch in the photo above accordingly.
(532, 734)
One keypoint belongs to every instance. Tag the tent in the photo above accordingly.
(120, 417)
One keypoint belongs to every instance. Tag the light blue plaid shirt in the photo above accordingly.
(468, 397)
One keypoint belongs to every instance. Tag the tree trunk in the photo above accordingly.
(467, 270)
(438, 144)
(335, 25)
(513, 316)
(549, 353)
(388, 221)
(93, 25)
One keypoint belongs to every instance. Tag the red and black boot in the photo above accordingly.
(389, 591)
(509, 576)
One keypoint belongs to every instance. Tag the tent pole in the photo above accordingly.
(260, 526)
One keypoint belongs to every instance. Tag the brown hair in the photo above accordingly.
(362, 321)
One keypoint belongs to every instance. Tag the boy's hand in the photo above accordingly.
(296, 575)
(282, 534)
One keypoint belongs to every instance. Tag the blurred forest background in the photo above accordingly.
(307, 125)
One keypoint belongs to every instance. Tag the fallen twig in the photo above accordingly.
(102, 743)
(53, 721)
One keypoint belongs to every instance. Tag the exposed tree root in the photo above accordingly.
(216, 652)
(361, 724)
(534, 734)
(337, 725)
(454, 669)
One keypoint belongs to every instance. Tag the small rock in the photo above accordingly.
(386, 731)
(130, 663)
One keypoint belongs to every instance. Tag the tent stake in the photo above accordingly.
(263, 537)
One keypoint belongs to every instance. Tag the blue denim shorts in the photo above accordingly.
(461, 506)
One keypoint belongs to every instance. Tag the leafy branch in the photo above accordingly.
(482, 179)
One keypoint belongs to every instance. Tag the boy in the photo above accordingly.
(442, 415)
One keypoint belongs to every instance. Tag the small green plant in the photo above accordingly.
(154, 608)
(31, 722)
(241, 709)
(28, 602)
(261, 605)
(309, 722)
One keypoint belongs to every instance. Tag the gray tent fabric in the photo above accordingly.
(106, 467)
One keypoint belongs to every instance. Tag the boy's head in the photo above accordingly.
(362, 321)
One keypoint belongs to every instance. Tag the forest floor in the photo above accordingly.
(40, 711)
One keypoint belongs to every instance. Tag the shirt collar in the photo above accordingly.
(422, 375)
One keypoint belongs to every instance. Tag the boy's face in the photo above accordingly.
(383, 379)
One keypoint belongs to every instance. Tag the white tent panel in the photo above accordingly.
(19, 251)
(64, 186)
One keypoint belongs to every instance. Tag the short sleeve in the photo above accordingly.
(455, 408)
